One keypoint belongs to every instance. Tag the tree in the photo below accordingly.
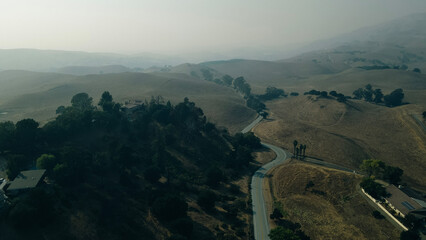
(26, 135)
(324, 94)
(304, 150)
(170, 207)
(373, 167)
(333, 93)
(242, 86)
(272, 93)
(60, 110)
(214, 176)
(378, 96)
(7, 131)
(152, 174)
(341, 98)
(409, 235)
(280, 233)
(376, 190)
(206, 199)
(207, 74)
(424, 114)
(395, 98)
(294, 147)
(106, 101)
(417, 70)
(227, 80)
(367, 93)
(183, 226)
(392, 174)
(82, 102)
(358, 94)
(46, 161)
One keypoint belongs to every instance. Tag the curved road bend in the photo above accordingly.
(260, 216)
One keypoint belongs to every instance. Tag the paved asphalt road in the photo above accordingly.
(260, 216)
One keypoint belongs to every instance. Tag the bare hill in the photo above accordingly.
(346, 134)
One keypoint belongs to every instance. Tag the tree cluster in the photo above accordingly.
(375, 95)
(271, 93)
(376, 190)
(97, 156)
(324, 94)
(299, 152)
(378, 169)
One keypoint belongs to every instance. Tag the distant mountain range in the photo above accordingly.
(401, 41)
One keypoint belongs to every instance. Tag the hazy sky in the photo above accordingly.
(176, 26)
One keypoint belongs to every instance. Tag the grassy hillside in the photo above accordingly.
(261, 74)
(86, 70)
(37, 95)
(348, 133)
(339, 212)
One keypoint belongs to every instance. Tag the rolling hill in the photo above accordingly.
(37, 95)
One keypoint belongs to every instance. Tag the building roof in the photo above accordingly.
(401, 201)
(26, 180)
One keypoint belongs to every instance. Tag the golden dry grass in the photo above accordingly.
(347, 134)
(341, 213)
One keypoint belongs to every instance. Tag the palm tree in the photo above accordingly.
(304, 151)
(294, 148)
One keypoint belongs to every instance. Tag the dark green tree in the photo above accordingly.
(378, 96)
(417, 70)
(46, 161)
(152, 174)
(60, 110)
(227, 80)
(358, 94)
(409, 235)
(206, 200)
(376, 190)
(7, 132)
(367, 93)
(395, 98)
(207, 74)
(106, 102)
(373, 167)
(392, 174)
(294, 147)
(26, 134)
(82, 102)
(214, 177)
(280, 233)
(170, 207)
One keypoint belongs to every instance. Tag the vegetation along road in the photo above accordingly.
(260, 217)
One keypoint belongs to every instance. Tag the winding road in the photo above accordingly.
(260, 216)
(260, 213)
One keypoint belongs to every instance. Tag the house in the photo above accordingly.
(401, 202)
(26, 180)
(130, 107)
